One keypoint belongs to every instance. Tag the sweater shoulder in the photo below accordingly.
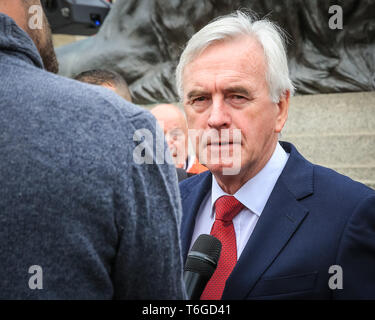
(42, 90)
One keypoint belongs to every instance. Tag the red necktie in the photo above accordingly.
(226, 208)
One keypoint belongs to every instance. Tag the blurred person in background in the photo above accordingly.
(173, 122)
(106, 78)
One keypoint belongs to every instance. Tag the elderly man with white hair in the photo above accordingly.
(289, 229)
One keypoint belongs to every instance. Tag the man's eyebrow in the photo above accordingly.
(237, 89)
(234, 89)
(195, 93)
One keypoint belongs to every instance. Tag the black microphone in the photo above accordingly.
(201, 264)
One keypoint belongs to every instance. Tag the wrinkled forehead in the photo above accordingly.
(171, 119)
(242, 56)
(241, 46)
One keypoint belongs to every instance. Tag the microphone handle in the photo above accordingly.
(195, 284)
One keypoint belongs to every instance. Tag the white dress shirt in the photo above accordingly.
(253, 195)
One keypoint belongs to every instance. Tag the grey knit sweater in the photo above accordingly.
(73, 202)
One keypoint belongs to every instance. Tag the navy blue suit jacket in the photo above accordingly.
(315, 218)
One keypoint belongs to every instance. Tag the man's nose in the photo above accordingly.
(220, 114)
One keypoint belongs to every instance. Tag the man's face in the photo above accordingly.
(225, 88)
(176, 139)
(175, 131)
(42, 38)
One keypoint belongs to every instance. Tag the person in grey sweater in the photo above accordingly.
(79, 218)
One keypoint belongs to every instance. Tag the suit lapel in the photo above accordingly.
(191, 203)
(281, 217)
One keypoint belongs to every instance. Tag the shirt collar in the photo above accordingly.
(189, 162)
(254, 193)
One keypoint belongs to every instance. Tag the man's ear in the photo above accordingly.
(283, 108)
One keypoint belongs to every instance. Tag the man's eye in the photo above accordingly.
(237, 97)
(177, 136)
(199, 99)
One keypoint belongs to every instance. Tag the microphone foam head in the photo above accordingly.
(204, 255)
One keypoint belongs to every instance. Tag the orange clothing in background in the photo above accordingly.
(197, 168)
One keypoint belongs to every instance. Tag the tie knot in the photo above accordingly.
(227, 207)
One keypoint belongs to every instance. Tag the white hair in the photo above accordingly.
(269, 35)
